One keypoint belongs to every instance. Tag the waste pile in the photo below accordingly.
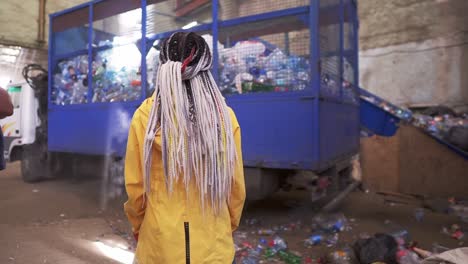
(258, 66)
(459, 208)
(70, 84)
(112, 80)
(267, 245)
(322, 243)
(450, 128)
(249, 66)
(440, 122)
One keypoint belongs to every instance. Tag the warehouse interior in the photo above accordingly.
(354, 119)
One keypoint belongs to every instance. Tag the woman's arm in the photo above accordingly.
(236, 203)
(135, 206)
(6, 107)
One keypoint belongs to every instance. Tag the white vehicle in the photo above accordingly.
(20, 128)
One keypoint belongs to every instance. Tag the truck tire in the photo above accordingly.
(33, 164)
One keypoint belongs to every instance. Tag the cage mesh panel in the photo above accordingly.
(165, 16)
(230, 9)
(330, 60)
(266, 56)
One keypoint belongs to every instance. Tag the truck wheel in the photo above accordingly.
(33, 164)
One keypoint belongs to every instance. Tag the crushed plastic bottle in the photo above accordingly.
(289, 257)
(315, 239)
(342, 256)
(279, 243)
(253, 257)
(332, 240)
(331, 223)
(266, 232)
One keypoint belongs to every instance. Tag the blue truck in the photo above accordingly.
(290, 72)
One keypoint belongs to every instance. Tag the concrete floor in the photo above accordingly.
(60, 221)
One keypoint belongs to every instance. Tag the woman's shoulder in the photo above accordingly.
(143, 111)
(233, 117)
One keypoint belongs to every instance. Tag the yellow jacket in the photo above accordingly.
(172, 228)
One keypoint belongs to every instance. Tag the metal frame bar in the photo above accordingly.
(90, 54)
(341, 10)
(264, 16)
(204, 27)
(143, 52)
(49, 62)
(214, 31)
(314, 67)
(356, 49)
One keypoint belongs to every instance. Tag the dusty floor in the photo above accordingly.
(60, 222)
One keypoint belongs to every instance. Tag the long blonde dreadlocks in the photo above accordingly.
(193, 119)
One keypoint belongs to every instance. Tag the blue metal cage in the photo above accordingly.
(289, 70)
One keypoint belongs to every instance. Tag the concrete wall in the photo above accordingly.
(415, 52)
(19, 20)
(18, 28)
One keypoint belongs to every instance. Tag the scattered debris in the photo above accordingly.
(459, 208)
(419, 214)
(450, 128)
(266, 232)
(455, 232)
(342, 256)
(252, 222)
(324, 238)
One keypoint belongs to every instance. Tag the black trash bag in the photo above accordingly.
(458, 136)
(379, 248)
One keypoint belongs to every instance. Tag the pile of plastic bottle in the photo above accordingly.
(249, 66)
(110, 84)
(270, 247)
(70, 84)
(439, 125)
(258, 66)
